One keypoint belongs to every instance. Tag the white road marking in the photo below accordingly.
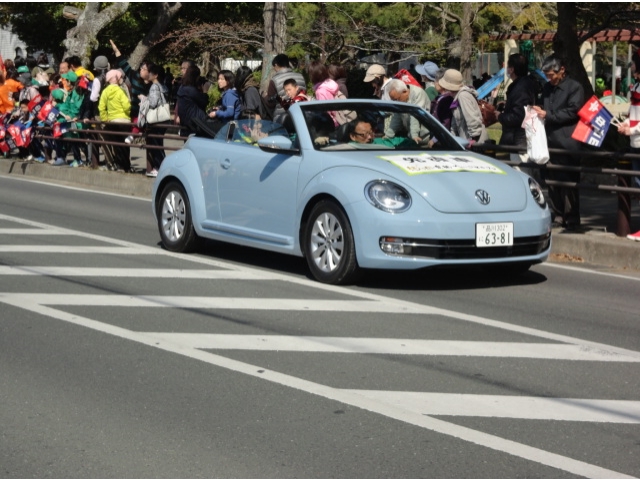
(75, 249)
(29, 231)
(133, 273)
(348, 397)
(365, 303)
(217, 303)
(504, 406)
(393, 346)
(585, 270)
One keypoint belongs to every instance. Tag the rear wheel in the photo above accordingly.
(174, 219)
(329, 246)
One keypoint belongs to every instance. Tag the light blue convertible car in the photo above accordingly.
(351, 185)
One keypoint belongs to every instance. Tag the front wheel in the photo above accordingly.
(329, 246)
(174, 220)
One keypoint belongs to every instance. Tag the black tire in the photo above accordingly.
(175, 223)
(329, 246)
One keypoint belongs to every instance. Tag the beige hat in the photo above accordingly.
(374, 71)
(451, 80)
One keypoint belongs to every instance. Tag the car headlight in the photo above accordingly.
(537, 194)
(387, 196)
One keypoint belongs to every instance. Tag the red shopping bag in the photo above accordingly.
(407, 78)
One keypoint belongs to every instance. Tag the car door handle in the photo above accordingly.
(226, 163)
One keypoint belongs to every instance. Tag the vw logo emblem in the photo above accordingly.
(483, 197)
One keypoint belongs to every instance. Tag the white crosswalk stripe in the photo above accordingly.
(393, 346)
(133, 273)
(504, 406)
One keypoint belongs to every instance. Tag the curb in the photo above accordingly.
(599, 248)
(137, 185)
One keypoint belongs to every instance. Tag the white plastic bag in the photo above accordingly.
(537, 149)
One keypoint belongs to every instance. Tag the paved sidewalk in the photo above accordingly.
(598, 244)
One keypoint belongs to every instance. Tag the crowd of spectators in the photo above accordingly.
(114, 99)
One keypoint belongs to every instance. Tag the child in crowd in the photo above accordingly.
(294, 92)
(23, 117)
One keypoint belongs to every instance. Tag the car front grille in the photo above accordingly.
(467, 250)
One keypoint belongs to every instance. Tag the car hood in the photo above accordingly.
(451, 182)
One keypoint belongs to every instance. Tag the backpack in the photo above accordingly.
(489, 113)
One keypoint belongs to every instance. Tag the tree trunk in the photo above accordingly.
(466, 42)
(166, 12)
(81, 39)
(275, 33)
(566, 44)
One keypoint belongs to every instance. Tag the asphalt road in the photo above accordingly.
(118, 359)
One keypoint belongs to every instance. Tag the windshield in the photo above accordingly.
(375, 126)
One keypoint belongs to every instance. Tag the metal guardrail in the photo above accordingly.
(624, 176)
(95, 130)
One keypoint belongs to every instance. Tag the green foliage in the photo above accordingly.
(215, 95)
(40, 25)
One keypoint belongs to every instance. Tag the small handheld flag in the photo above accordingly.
(594, 123)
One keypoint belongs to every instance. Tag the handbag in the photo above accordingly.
(537, 149)
(162, 113)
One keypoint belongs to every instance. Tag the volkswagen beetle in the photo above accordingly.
(351, 185)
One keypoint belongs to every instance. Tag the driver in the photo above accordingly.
(361, 131)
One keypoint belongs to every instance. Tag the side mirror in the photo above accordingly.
(277, 144)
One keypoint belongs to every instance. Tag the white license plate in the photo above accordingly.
(494, 234)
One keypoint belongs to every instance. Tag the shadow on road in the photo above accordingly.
(467, 278)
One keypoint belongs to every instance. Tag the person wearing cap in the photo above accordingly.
(377, 75)
(24, 74)
(71, 111)
(466, 121)
(441, 106)
(428, 72)
(401, 92)
(101, 67)
(631, 127)
(115, 108)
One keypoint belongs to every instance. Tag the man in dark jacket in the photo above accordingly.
(562, 98)
(521, 93)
